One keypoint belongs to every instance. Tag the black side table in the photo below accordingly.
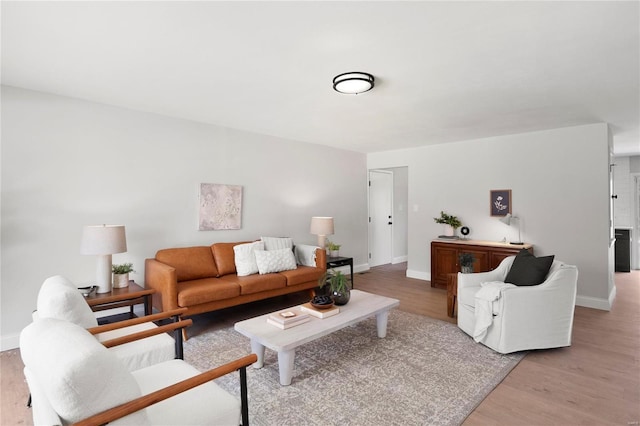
(334, 262)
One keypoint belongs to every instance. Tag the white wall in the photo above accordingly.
(68, 163)
(400, 215)
(559, 180)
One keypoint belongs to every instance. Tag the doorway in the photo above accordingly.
(380, 217)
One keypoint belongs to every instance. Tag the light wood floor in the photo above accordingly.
(596, 381)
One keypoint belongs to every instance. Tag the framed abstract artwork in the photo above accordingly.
(500, 202)
(220, 207)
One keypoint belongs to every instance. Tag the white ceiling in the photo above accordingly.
(445, 71)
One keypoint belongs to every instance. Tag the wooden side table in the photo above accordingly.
(452, 294)
(119, 297)
(334, 262)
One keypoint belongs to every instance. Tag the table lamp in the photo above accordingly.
(103, 241)
(507, 220)
(321, 226)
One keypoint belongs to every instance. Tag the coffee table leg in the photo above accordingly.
(258, 349)
(285, 365)
(381, 322)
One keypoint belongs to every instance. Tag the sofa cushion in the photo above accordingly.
(195, 292)
(256, 283)
(225, 257)
(59, 298)
(277, 243)
(275, 260)
(191, 263)
(528, 270)
(302, 274)
(79, 376)
(245, 258)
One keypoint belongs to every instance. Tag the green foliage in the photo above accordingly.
(332, 246)
(466, 259)
(336, 281)
(447, 219)
(125, 268)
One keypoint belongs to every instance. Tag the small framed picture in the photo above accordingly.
(500, 202)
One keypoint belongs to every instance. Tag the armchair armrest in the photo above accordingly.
(321, 258)
(147, 333)
(176, 327)
(135, 321)
(164, 280)
(175, 389)
(498, 274)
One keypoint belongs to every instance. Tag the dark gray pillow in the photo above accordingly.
(528, 270)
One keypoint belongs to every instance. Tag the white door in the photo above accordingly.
(380, 217)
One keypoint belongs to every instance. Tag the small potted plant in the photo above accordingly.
(451, 223)
(334, 249)
(121, 274)
(337, 284)
(466, 262)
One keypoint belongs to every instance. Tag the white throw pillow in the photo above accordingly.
(245, 258)
(305, 254)
(275, 260)
(59, 298)
(277, 243)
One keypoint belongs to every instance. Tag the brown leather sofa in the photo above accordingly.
(203, 279)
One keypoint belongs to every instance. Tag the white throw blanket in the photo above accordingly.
(488, 293)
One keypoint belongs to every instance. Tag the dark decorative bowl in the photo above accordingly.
(326, 306)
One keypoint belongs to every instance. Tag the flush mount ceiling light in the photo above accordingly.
(352, 83)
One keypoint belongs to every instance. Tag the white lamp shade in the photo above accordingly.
(103, 239)
(321, 225)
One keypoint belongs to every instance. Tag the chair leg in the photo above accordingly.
(244, 403)
(178, 336)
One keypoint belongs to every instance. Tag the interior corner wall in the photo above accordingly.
(560, 189)
(68, 163)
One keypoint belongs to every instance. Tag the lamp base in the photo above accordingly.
(103, 273)
(516, 243)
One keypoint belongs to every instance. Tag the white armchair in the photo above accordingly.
(138, 342)
(524, 317)
(81, 382)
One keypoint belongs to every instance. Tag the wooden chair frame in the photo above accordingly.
(145, 401)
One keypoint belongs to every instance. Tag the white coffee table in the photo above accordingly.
(262, 334)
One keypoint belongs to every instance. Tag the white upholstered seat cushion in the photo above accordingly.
(207, 404)
(141, 353)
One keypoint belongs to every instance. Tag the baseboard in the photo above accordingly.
(356, 268)
(596, 302)
(399, 259)
(419, 275)
(11, 341)
(361, 268)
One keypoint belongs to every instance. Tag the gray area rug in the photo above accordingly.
(425, 372)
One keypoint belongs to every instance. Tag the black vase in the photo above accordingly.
(341, 297)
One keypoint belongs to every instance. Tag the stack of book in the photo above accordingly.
(319, 313)
(288, 318)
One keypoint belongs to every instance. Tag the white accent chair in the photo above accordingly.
(79, 381)
(138, 342)
(59, 298)
(524, 317)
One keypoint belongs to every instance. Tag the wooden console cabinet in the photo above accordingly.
(488, 255)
